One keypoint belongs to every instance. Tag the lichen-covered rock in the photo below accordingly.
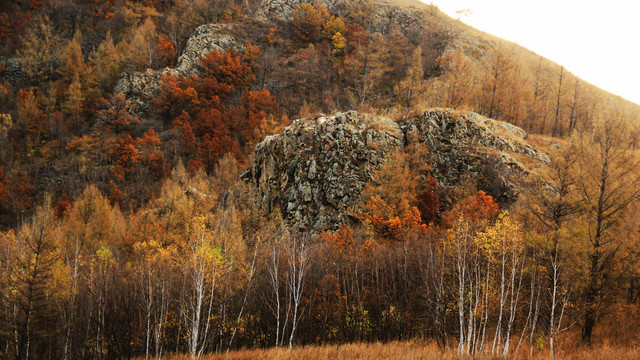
(275, 9)
(315, 170)
(13, 73)
(202, 41)
(282, 10)
(386, 17)
(471, 146)
(390, 18)
(141, 87)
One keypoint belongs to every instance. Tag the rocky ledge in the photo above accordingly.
(315, 170)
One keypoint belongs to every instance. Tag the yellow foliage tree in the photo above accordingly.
(40, 52)
(413, 86)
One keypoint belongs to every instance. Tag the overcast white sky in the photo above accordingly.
(596, 40)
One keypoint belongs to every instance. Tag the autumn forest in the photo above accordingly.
(130, 226)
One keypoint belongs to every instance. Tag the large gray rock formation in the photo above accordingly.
(315, 170)
(141, 87)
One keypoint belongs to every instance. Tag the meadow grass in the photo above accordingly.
(416, 351)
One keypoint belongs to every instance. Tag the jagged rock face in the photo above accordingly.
(387, 18)
(281, 10)
(472, 146)
(202, 41)
(275, 9)
(315, 170)
(141, 87)
(396, 18)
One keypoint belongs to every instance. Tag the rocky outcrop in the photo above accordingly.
(407, 20)
(471, 146)
(205, 39)
(315, 170)
(281, 10)
(12, 73)
(140, 87)
(386, 18)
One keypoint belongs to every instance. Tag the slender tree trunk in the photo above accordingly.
(574, 105)
(246, 294)
(275, 286)
(556, 130)
(497, 338)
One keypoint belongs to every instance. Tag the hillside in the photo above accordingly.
(196, 177)
(475, 43)
(63, 118)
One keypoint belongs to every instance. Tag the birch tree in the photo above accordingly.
(298, 263)
(504, 242)
(200, 266)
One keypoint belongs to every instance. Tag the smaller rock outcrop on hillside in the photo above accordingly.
(386, 17)
(315, 170)
(475, 147)
(282, 10)
(12, 73)
(141, 87)
(205, 39)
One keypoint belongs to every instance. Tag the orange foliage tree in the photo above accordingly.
(307, 22)
(150, 153)
(125, 156)
(215, 110)
(477, 209)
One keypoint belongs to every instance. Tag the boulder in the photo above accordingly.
(13, 73)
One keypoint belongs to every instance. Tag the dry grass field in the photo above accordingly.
(413, 351)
